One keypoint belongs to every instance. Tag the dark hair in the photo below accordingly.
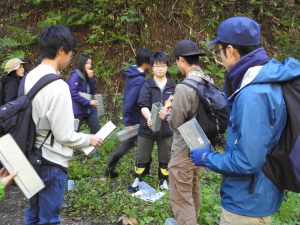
(243, 50)
(143, 56)
(159, 57)
(55, 37)
(82, 59)
(191, 59)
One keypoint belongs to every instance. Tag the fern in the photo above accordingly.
(8, 43)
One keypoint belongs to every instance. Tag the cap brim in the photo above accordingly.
(193, 53)
(212, 42)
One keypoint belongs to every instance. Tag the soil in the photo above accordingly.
(12, 209)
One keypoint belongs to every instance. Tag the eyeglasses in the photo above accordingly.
(159, 66)
(217, 52)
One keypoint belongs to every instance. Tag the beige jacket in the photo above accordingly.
(184, 107)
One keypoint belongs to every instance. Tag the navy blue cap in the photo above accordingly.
(238, 30)
(186, 48)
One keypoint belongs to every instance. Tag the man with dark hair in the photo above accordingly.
(184, 182)
(135, 78)
(57, 45)
(258, 116)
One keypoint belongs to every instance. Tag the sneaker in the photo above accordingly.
(163, 184)
(132, 189)
(135, 186)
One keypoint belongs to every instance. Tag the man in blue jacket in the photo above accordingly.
(258, 116)
(135, 78)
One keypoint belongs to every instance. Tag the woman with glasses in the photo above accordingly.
(155, 90)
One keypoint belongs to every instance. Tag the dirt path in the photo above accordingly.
(12, 209)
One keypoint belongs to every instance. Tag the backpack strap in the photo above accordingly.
(47, 79)
(38, 86)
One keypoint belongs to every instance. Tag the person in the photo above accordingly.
(156, 89)
(185, 196)
(135, 78)
(14, 70)
(82, 80)
(57, 45)
(5, 179)
(258, 116)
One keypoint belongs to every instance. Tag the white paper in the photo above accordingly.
(44, 124)
(85, 95)
(193, 134)
(103, 133)
(13, 160)
(125, 135)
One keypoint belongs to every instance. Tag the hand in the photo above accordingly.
(95, 141)
(5, 178)
(169, 101)
(163, 113)
(94, 103)
(149, 122)
(90, 73)
(129, 128)
(199, 154)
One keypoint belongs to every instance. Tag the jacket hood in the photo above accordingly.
(272, 72)
(275, 71)
(133, 71)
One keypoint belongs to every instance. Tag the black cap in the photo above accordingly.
(186, 48)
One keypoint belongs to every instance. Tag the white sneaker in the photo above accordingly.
(164, 185)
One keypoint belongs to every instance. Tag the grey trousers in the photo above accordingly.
(145, 147)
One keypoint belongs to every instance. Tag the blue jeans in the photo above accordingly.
(45, 206)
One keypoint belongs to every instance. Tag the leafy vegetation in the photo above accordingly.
(111, 31)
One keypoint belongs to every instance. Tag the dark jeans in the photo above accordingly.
(122, 149)
(45, 206)
(92, 121)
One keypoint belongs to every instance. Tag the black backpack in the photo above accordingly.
(213, 112)
(1, 91)
(283, 163)
(16, 118)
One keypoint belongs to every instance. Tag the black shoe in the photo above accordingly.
(109, 173)
(133, 189)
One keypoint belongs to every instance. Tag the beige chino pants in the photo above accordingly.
(184, 185)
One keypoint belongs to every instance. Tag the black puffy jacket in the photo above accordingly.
(150, 93)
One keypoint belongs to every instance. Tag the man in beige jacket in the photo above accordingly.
(184, 181)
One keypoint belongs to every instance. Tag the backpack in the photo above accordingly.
(16, 119)
(1, 91)
(213, 112)
(283, 163)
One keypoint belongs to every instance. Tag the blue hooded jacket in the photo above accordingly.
(257, 119)
(134, 81)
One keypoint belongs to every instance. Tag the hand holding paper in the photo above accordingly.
(199, 154)
(100, 136)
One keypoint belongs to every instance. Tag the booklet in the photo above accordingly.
(99, 98)
(193, 134)
(103, 133)
(44, 124)
(124, 134)
(156, 121)
(13, 160)
(100, 107)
